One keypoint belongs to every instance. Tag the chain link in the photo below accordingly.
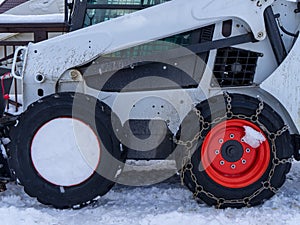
(187, 166)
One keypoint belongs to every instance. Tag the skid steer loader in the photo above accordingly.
(211, 84)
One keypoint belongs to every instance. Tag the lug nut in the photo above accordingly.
(217, 152)
(222, 163)
(231, 136)
(220, 141)
(233, 166)
(244, 161)
(248, 150)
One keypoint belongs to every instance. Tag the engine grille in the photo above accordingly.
(234, 67)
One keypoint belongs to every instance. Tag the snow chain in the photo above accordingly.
(187, 166)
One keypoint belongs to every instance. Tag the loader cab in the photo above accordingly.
(90, 12)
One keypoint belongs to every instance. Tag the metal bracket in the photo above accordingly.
(296, 144)
(14, 63)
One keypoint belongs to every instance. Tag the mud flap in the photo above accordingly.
(296, 144)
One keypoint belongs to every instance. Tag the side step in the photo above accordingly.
(296, 143)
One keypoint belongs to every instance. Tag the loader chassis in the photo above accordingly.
(188, 88)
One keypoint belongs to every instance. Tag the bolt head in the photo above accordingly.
(260, 34)
(73, 74)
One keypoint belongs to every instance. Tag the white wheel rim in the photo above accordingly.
(65, 151)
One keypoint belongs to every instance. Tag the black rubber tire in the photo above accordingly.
(241, 104)
(47, 109)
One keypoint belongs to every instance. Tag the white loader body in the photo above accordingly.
(284, 83)
(53, 59)
(211, 84)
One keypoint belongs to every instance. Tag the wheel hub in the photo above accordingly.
(229, 160)
(232, 151)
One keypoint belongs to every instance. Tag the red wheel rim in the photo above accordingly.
(229, 160)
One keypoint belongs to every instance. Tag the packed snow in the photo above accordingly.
(38, 7)
(45, 5)
(253, 137)
(47, 18)
(166, 203)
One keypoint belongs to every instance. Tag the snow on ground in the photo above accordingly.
(167, 203)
